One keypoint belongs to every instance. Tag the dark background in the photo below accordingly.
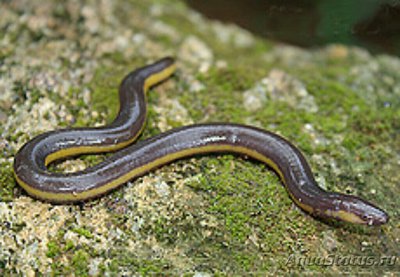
(371, 24)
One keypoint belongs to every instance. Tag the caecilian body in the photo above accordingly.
(134, 159)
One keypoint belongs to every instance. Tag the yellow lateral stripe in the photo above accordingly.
(158, 77)
(346, 216)
(78, 196)
(74, 151)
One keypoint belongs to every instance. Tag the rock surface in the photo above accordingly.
(60, 66)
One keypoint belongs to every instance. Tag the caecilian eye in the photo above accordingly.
(365, 217)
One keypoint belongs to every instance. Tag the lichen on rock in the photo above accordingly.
(60, 66)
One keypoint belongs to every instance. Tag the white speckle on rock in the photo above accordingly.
(321, 181)
(91, 22)
(279, 86)
(121, 42)
(162, 189)
(365, 243)
(41, 117)
(137, 224)
(86, 96)
(255, 98)
(94, 266)
(289, 56)
(229, 33)
(70, 166)
(162, 28)
(329, 241)
(221, 64)
(171, 109)
(196, 86)
(201, 274)
(138, 38)
(6, 93)
(71, 236)
(285, 88)
(243, 39)
(195, 51)
(317, 137)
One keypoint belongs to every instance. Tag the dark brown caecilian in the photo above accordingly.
(30, 165)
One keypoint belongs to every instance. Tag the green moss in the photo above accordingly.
(3, 264)
(20, 90)
(69, 244)
(105, 90)
(35, 96)
(248, 200)
(83, 232)
(136, 264)
(7, 182)
(80, 261)
(220, 84)
(53, 249)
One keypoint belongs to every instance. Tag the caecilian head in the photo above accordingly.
(354, 210)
